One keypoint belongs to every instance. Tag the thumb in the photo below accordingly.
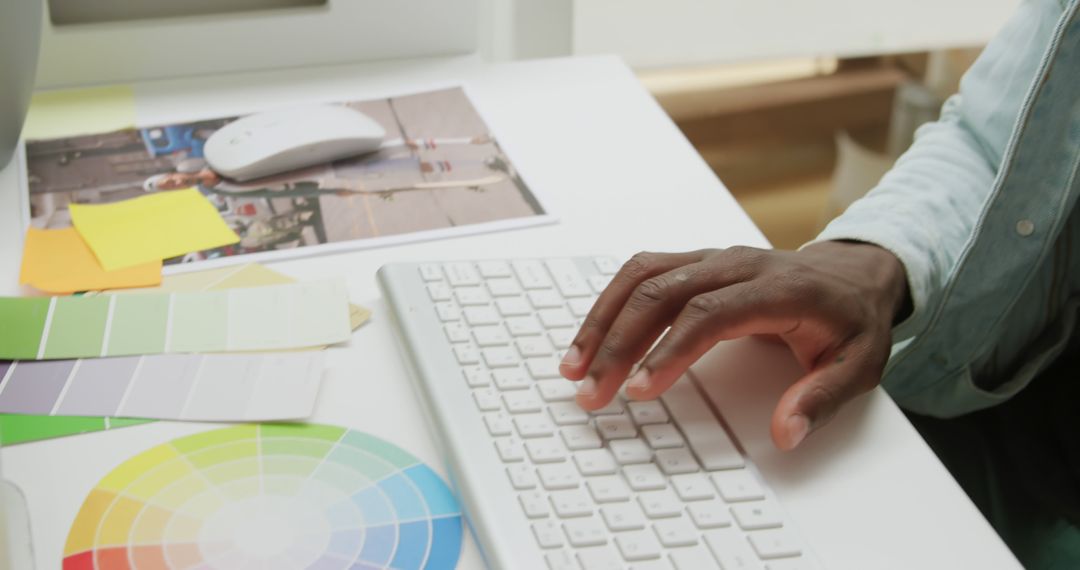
(815, 398)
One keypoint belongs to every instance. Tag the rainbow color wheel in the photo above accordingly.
(268, 497)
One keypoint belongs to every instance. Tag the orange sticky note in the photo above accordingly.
(152, 227)
(59, 261)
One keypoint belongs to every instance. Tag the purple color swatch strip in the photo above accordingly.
(162, 386)
(34, 386)
(4, 365)
(98, 386)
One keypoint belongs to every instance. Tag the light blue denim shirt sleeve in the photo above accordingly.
(930, 208)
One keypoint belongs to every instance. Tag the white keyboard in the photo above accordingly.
(641, 485)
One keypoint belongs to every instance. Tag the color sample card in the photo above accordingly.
(150, 228)
(59, 262)
(271, 497)
(197, 387)
(18, 428)
(274, 317)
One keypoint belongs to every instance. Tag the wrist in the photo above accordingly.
(881, 272)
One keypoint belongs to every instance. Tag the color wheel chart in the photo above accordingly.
(268, 497)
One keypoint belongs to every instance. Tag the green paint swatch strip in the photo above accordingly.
(274, 317)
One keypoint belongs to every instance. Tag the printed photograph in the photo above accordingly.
(439, 168)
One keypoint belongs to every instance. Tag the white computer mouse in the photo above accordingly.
(278, 141)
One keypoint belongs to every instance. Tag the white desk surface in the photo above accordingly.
(865, 492)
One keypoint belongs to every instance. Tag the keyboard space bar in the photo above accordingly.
(702, 430)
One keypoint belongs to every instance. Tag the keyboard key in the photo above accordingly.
(586, 532)
(556, 390)
(447, 312)
(513, 306)
(757, 515)
(600, 558)
(489, 269)
(548, 534)
(498, 423)
(476, 316)
(739, 485)
(544, 451)
(476, 377)
(568, 413)
(580, 437)
(500, 357)
(510, 449)
(660, 504)
(466, 354)
(700, 427)
(467, 296)
(616, 427)
(567, 278)
(675, 461)
(731, 549)
(522, 402)
(521, 477)
(503, 287)
(613, 408)
(491, 335)
(608, 489)
(580, 307)
(643, 477)
(545, 299)
(532, 425)
(637, 545)
(777, 543)
(543, 367)
(561, 560)
(607, 265)
(456, 332)
(676, 532)
(554, 318)
(595, 462)
(570, 504)
(487, 400)
(649, 412)
(709, 514)
(692, 487)
(662, 436)
(440, 292)
(631, 451)
(535, 504)
(511, 379)
(531, 274)
(692, 558)
(558, 476)
(522, 326)
(534, 346)
(599, 283)
(461, 273)
(430, 272)
(562, 338)
(623, 516)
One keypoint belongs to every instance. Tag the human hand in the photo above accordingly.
(832, 303)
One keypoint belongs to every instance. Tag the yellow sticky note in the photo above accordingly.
(72, 112)
(148, 228)
(59, 261)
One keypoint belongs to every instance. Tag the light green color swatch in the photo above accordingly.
(22, 320)
(138, 324)
(77, 326)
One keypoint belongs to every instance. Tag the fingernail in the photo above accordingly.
(573, 356)
(639, 381)
(797, 426)
(587, 387)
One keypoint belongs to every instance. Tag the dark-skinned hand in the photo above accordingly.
(832, 303)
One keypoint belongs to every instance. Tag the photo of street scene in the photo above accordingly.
(439, 168)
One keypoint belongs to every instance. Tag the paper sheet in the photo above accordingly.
(150, 228)
(197, 387)
(55, 114)
(274, 317)
(59, 262)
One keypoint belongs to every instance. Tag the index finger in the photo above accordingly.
(602, 314)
